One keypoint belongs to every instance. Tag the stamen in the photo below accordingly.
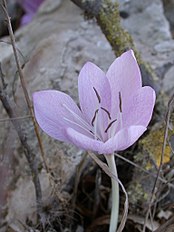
(109, 116)
(97, 94)
(120, 115)
(96, 137)
(120, 102)
(110, 124)
(95, 114)
(76, 116)
(89, 131)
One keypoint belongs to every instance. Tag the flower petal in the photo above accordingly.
(82, 141)
(139, 108)
(31, 6)
(93, 87)
(124, 77)
(123, 139)
(52, 108)
(26, 19)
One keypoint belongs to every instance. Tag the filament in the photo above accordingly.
(77, 117)
(89, 131)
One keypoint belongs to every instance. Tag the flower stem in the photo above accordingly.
(115, 194)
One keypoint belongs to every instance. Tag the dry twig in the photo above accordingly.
(162, 158)
(10, 108)
(22, 80)
(167, 226)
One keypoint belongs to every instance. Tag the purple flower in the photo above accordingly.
(114, 108)
(30, 7)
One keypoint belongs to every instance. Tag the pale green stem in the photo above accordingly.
(115, 194)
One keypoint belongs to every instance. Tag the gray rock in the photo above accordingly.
(151, 32)
(49, 6)
(168, 82)
(165, 46)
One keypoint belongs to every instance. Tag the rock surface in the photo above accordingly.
(168, 11)
(151, 32)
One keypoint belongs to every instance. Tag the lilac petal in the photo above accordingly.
(123, 139)
(124, 77)
(82, 141)
(31, 6)
(50, 107)
(139, 108)
(26, 19)
(93, 87)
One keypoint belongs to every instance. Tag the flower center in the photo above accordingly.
(102, 126)
(100, 115)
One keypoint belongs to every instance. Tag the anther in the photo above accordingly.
(110, 124)
(97, 94)
(95, 114)
(109, 116)
(120, 102)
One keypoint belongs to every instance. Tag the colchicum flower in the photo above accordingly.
(114, 112)
(30, 7)
(114, 108)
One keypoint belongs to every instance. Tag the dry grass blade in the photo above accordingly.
(105, 168)
(144, 170)
(162, 158)
(167, 226)
(17, 118)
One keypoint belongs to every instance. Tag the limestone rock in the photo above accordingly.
(168, 82)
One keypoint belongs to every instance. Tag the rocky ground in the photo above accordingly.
(53, 48)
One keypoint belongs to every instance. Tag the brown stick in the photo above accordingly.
(31, 158)
(22, 80)
(167, 226)
(168, 114)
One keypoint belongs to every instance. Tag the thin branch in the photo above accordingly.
(11, 111)
(162, 158)
(22, 80)
(144, 170)
(166, 226)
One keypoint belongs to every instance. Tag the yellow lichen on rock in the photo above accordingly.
(153, 144)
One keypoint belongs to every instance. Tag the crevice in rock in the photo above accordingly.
(169, 13)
